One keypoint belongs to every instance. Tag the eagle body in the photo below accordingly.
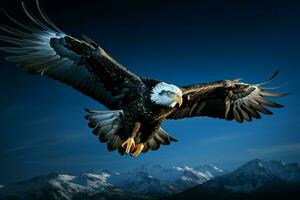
(136, 106)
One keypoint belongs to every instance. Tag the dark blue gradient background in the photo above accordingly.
(42, 129)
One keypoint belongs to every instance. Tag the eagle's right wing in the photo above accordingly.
(227, 99)
(44, 49)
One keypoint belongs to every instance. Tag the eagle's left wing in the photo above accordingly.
(41, 48)
(227, 99)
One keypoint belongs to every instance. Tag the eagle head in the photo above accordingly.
(166, 94)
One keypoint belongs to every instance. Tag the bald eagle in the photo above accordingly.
(136, 106)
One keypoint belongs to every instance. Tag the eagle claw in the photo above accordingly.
(128, 143)
(138, 149)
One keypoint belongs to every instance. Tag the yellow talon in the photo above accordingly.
(138, 149)
(128, 143)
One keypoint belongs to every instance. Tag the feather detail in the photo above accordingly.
(228, 100)
(106, 125)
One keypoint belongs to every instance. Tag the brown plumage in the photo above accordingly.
(137, 106)
(229, 99)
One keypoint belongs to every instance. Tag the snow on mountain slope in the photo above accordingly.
(147, 180)
(153, 181)
(211, 170)
(254, 180)
(66, 187)
(257, 173)
(162, 181)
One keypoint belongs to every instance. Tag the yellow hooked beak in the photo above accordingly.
(178, 99)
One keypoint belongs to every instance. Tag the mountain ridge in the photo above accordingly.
(144, 182)
(255, 179)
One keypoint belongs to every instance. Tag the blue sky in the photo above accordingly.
(42, 129)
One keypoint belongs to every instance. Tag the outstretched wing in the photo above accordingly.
(42, 48)
(228, 99)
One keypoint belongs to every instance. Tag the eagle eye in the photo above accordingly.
(163, 92)
(166, 92)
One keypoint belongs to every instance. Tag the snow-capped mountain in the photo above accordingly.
(210, 170)
(145, 182)
(66, 187)
(256, 179)
(257, 173)
(162, 181)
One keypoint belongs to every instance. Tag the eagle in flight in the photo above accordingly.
(136, 106)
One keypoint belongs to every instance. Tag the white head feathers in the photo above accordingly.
(166, 94)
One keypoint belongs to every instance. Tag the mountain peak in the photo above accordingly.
(255, 179)
(210, 170)
(255, 161)
(274, 168)
(257, 173)
(152, 180)
(155, 181)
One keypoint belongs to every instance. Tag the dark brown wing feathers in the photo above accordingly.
(42, 49)
(228, 99)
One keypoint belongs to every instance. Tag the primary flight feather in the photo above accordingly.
(137, 106)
